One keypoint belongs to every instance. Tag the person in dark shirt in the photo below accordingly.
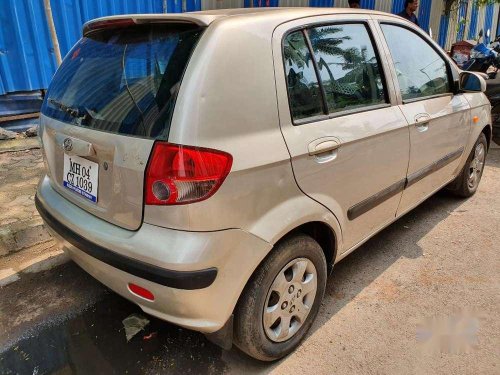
(409, 11)
(354, 4)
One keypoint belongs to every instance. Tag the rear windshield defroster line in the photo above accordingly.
(123, 80)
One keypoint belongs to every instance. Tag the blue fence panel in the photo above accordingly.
(397, 6)
(367, 4)
(443, 29)
(424, 14)
(488, 22)
(462, 13)
(473, 21)
(27, 59)
(321, 3)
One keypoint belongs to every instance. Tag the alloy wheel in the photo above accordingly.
(290, 299)
(476, 166)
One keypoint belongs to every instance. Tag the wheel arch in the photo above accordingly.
(487, 131)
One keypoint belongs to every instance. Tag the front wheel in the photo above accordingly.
(281, 301)
(467, 182)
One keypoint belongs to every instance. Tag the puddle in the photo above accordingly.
(94, 343)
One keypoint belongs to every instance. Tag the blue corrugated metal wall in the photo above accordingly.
(321, 3)
(462, 13)
(473, 22)
(398, 6)
(488, 23)
(27, 59)
(262, 3)
(424, 14)
(70, 15)
(367, 4)
(443, 29)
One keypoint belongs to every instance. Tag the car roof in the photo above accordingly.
(206, 17)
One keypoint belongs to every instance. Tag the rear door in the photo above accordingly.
(110, 99)
(439, 120)
(347, 138)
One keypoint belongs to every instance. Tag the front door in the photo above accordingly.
(347, 138)
(439, 120)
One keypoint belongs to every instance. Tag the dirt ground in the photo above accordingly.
(421, 297)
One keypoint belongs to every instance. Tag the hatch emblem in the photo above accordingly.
(68, 144)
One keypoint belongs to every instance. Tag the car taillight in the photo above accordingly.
(183, 174)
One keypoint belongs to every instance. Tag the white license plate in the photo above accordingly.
(81, 176)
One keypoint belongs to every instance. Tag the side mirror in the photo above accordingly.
(472, 82)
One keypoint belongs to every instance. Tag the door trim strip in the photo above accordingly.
(424, 172)
(371, 202)
(364, 206)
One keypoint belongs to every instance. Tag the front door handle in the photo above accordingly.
(324, 147)
(422, 121)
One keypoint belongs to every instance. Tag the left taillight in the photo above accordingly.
(179, 174)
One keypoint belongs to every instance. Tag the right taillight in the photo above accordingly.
(179, 174)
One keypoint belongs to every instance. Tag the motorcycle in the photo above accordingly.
(486, 59)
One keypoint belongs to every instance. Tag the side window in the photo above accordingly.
(348, 66)
(303, 88)
(420, 69)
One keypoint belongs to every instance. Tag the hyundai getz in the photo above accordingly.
(212, 167)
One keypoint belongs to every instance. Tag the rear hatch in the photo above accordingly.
(113, 95)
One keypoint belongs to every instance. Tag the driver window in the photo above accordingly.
(420, 69)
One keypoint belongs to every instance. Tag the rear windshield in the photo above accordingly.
(123, 80)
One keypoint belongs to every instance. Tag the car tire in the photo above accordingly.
(467, 182)
(276, 289)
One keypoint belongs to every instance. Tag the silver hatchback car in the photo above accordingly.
(212, 167)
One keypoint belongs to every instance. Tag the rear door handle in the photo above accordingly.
(324, 149)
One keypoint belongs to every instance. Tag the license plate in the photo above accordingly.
(81, 176)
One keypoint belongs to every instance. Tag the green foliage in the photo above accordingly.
(486, 2)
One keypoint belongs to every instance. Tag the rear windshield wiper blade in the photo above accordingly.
(74, 112)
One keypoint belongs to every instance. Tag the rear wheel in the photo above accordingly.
(467, 182)
(281, 300)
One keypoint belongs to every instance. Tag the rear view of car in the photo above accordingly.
(212, 167)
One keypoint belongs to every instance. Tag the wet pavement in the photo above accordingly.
(93, 341)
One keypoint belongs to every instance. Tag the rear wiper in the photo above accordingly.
(73, 112)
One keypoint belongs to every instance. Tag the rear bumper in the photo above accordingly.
(196, 277)
(175, 279)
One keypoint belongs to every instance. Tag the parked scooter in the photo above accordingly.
(486, 59)
(482, 57)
